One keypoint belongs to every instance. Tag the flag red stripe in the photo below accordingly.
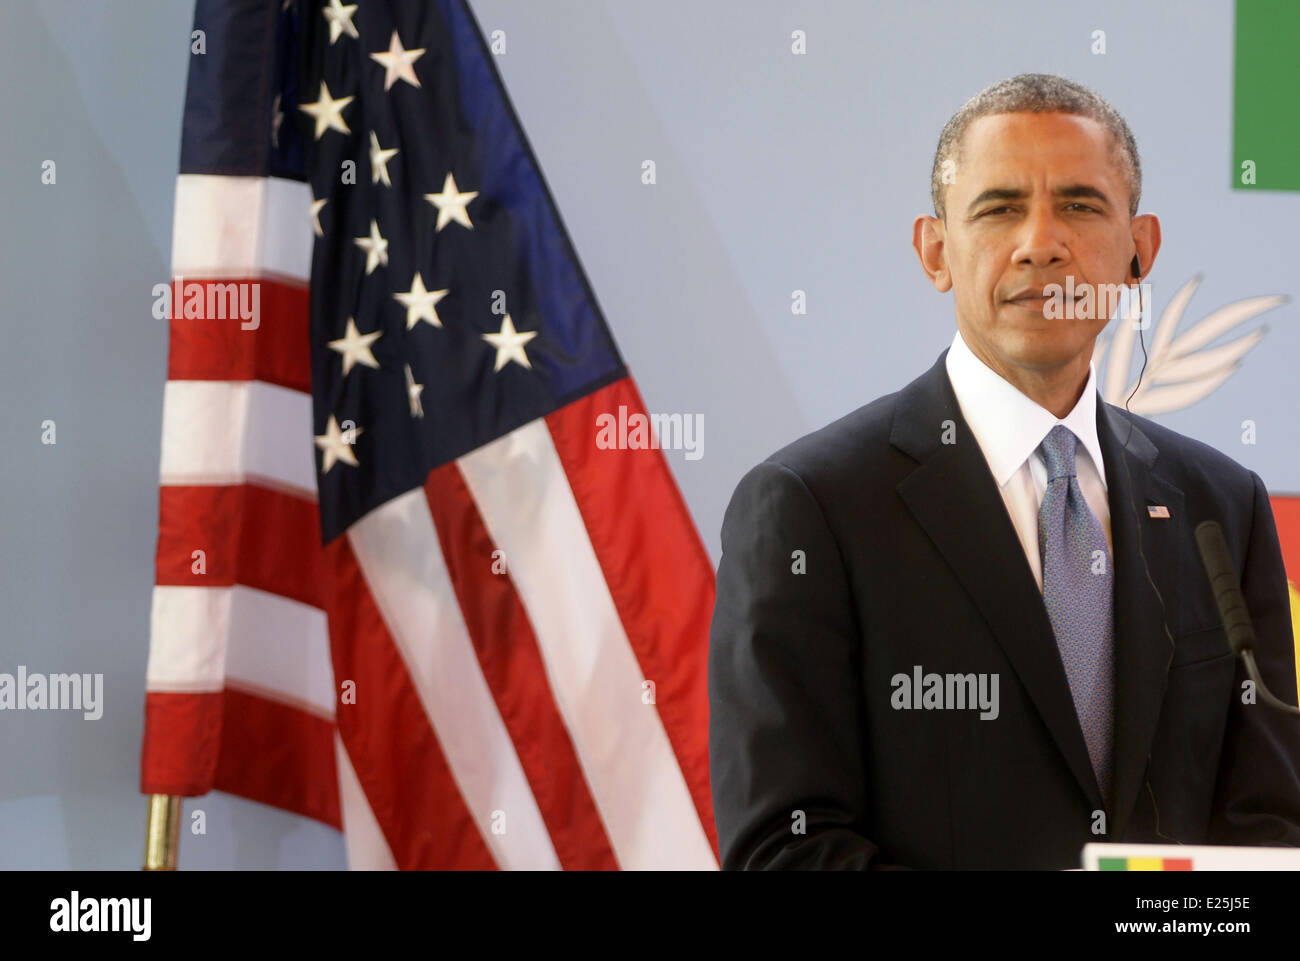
(182, 739)
(388, 736)
(514, 670)
(658, 572)
(278, 351)
(239, 742)
(279, 755)
(250, 535)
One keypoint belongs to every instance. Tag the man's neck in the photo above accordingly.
(1055, 389)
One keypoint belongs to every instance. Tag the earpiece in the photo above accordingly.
(1136, 267)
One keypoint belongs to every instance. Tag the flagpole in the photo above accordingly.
(163, 832)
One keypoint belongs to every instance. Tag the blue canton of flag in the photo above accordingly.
(446, 307)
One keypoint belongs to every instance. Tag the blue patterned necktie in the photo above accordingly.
(1078, 591)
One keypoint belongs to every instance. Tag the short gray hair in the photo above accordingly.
(1036, 93)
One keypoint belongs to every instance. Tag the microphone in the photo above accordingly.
(1232, 607)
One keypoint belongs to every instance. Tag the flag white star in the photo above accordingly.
(327, 111)
(316, 206)
(451, 204)
(510, 344)
(398, 63)
(355, 347)
(413, 392)
(340, 18)
(334, 445)
(420, 303)
(375, 246)
(379, 158)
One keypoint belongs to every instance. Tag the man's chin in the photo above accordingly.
(1042, 348)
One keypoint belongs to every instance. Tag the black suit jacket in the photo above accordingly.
(912, 560)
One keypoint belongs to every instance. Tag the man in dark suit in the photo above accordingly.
(967, 626)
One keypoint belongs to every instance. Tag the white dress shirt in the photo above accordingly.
(1009, 427)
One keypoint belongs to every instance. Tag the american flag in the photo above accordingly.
(400, 589)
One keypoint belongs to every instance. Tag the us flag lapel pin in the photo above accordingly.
(1157, 510)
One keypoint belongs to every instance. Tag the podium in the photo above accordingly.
(1188, 857)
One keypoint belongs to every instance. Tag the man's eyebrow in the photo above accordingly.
(996, 193)
(1081, 190)
(1071, 191)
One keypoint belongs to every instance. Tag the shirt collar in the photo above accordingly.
(1008, 425)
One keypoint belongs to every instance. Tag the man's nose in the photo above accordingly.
(1042, 240)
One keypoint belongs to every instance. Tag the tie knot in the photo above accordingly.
(1058, 452)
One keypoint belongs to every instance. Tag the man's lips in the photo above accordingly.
(1036, 301)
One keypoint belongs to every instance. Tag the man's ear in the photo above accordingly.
(929, 235)
(1146, 240)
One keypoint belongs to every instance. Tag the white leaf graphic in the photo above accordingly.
(1179, 371)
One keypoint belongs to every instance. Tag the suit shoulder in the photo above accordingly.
(845, 446)
(856, 453)
(1191, 462)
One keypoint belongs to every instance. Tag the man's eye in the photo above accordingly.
(1072, 206)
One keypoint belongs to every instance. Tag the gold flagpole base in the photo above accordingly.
(163, 832)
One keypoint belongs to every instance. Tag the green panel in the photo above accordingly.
(1266, 94)
(1112, 864)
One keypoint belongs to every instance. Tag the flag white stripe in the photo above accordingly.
(397, 548)
(189, 627)
(204, 636)
(362, 837)
(226, 432)
(528, 507)
(281, 644)
(241, 226)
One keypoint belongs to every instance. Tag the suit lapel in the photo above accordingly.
(953, 496)
(1142, 649)
(955, 499)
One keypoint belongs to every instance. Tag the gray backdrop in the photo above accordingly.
(775, 173)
